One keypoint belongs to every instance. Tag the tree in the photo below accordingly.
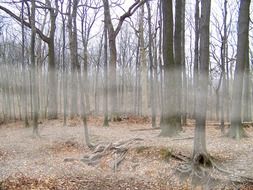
(112, 34)
(24, 97)
(106, 122)
(150, 55)
(247, 116)
(65, 84)
(87, 23)
(143, 64)
(185, 82)
(196, 54)
(178, 55)
(72, 29)
(224, 53)
(53, 11)
(52, 109)
(200, 156)
(236, 130)
(171, 123)
(35, 85)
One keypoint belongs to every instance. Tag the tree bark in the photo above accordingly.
(52, 101)
(196, 55)
(199, 149)
(247, 117)
(72, 27)
(34, 74)
(106, 122)
(178, 56)
(112, 34)
(152, 95)
(171, 124)
(236, 130)
(143, 65)
(23, 93)
(223, 65)
(185, 82)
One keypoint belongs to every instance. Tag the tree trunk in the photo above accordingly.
(223, 65)
(236, 130)
(96, 87)
(64, 78)
(34, 74)
(143, 65)
(200, 156)
(185, 82)
(23, 93)
(178, 56)
(73, 56)
(106, 122)
(247, 89)
(152, 95)
(171, 124)
(196, 55)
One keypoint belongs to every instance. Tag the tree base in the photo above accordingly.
(168, 133)
(116, 118)
(170, 126)
(106, 122)
(237, 133)
(202, 160)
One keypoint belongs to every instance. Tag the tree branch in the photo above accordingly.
(39, 32)
(129, 13)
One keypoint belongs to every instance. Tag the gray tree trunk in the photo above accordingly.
(247, 89)
(106, 122)
(199, 149)
(171, 123)
(223, 65)
(23, 93)
(72, 28)
(152, 94)
(185, 82)
(52, 99)
(236, 130)
(35, 111)
(196, 55)
(178, 56)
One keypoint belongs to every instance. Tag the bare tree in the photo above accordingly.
(151, 58)
(178, 55)
(24, 97)
(53, 11)
(72, 29)
(236, 130)
(200, 156)
(196, 53)
(106, 122)
(34, 74)
(112, 34)
(171, 123)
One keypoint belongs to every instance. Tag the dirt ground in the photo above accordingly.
(54, 161)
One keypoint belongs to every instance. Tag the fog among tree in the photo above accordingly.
(163, 77)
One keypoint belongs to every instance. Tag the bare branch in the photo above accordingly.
(39, 32)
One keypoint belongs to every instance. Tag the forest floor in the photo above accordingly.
(55, 160)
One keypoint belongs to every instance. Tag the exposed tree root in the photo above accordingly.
(183, 138)
(118, 160)
(149, 129)
(118, 149)
(202, 167)
(180, 157)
